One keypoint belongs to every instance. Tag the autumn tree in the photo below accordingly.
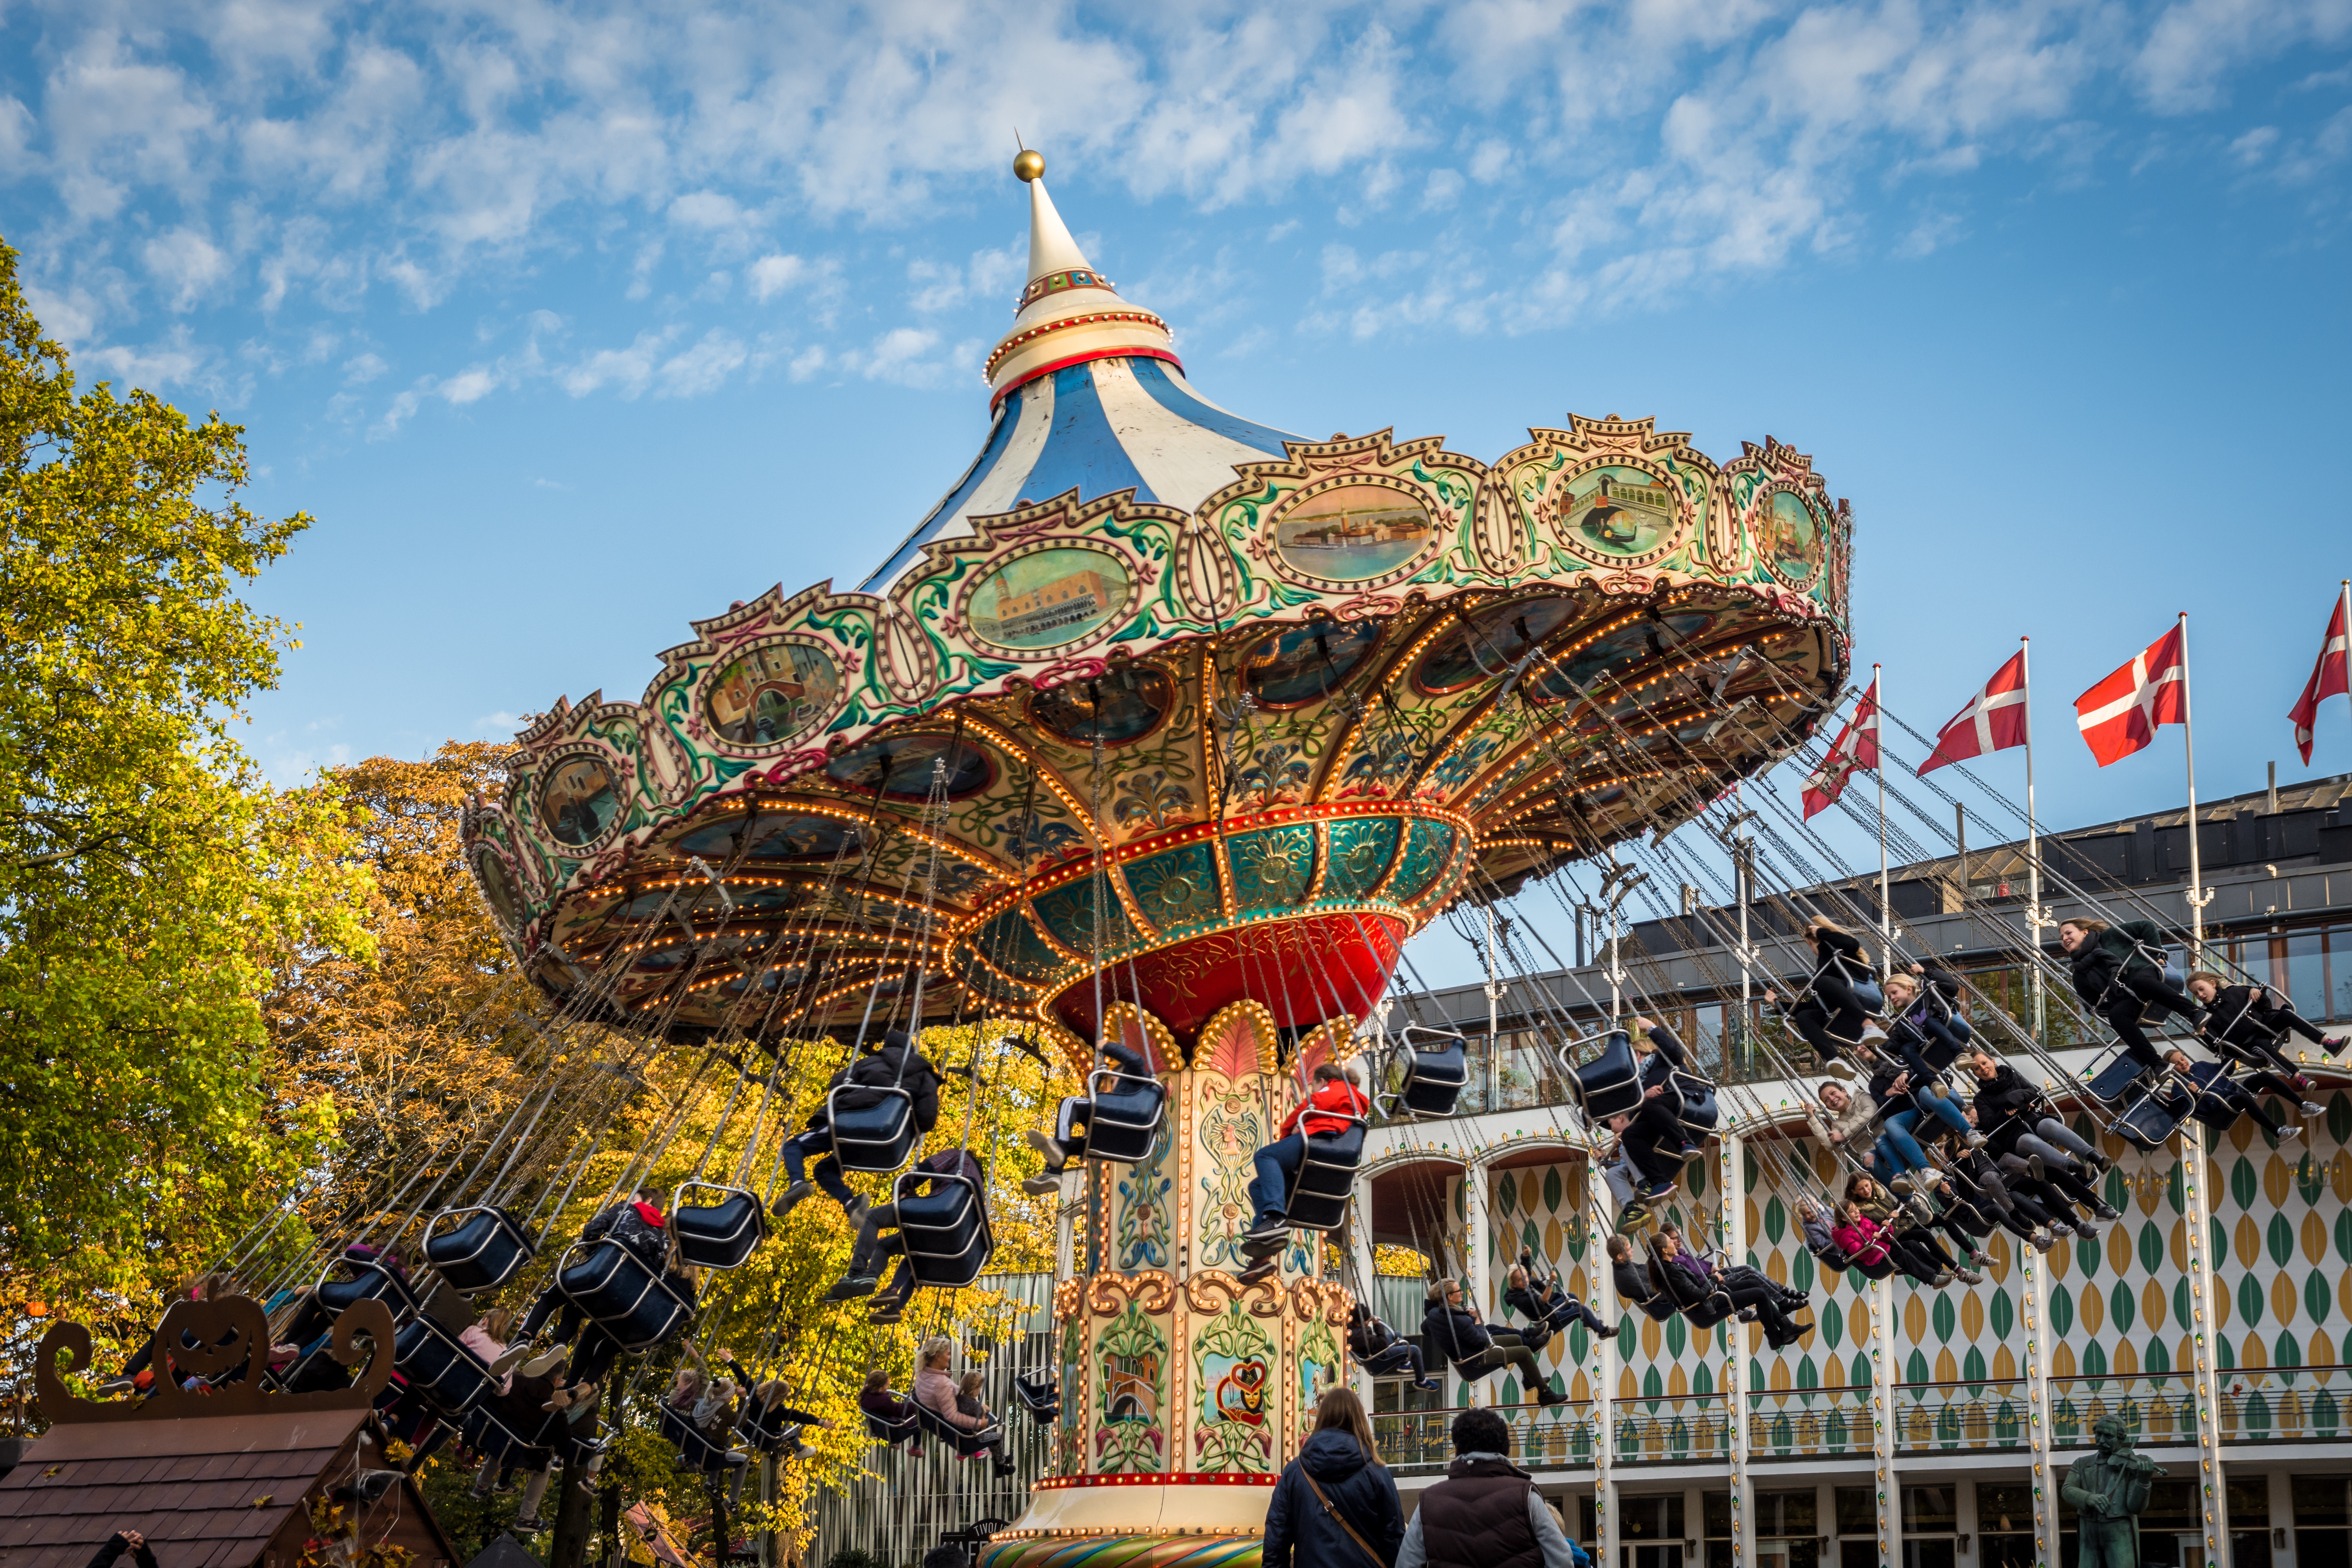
(152, 883)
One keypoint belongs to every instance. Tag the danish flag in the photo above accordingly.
(2329, 678)
(1994, 720)
(1855, 751)
(2120, 714)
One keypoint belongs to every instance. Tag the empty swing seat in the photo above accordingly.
(1610, 1083)
(695, 1451)
(876, 1138)
(2112, 1078)
(2152, 1119)
(440, 1370)
(1123, 1118)
(1038, 1395)
(627, 1298)
(1326, 1177)
(1700, 1113)
(1433, 1068)
(967, 1444)
(721, 1234)
(946, 1232)
(370, 1282)
(481, 1250)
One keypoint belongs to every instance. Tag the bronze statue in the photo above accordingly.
(2108, 1489)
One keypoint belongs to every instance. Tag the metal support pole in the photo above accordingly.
(2212, 1495)
(1604, 1365)
(2037, 1404)
(1884, 1370)
(1474, 1243)
(2034, 917)
(1732, 1243)
(2199, 895)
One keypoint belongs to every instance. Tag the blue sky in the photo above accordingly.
(571, 323)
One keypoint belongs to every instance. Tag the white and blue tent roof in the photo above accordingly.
(1088, 396)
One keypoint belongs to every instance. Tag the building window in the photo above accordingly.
(2004, 1526)
(1857, 1527)
(2249, 1521)
(1788, 1530)
(1650, 1531)
(2323, 1520)
(1930, 1524)
(1715, 1510)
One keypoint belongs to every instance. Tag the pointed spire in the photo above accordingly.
(1068, 312)
(1051, 248)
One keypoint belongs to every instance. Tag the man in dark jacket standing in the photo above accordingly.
(1486, 1513)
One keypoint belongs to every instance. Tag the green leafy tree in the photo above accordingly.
(153, 888)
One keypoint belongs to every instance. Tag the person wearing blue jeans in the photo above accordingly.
(1324, 1110)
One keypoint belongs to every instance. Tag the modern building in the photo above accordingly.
(1929, 1428)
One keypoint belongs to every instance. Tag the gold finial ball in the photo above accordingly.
(1028, 165)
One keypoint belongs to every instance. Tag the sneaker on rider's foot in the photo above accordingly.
(2287, 1134)
(2104, 1212)
(885, 1314)
(1055, 1156)
(791, 1197)
(2036, 1169)
(1546, 1398)
(850, 1286)
(856, 1209)
(547, 1360)
(1838, 1069)
(1041, 1186)
(1980, 1258)
(1975, 1139)
(513, 1356)
(1969, 1277)
(2312, 1107)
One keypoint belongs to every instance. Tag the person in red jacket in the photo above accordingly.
(1325, 1111)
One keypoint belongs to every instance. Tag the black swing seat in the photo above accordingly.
(1833, 1259)
(1123, 1119)
(875, 1137)
(439, 1369)
(722, 1234)
(946, 1232)
(898, 1431)
(772, 1428)
(1700, 1113)
(626, 1297)
(695, 1451)
(1326, 1176)
(2152, 1118)
(1610, 1084)
(370, 1282)
(1038, 1395)
(967, 1444)
(2112, 1078)
(1432, 1069)
(487, 1433)
(482, 1249)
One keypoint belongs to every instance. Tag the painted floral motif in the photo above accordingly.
(1233, 1128)
(1152, 800)
(1233, 1431)
(1140, 1238)
(1130, 1435)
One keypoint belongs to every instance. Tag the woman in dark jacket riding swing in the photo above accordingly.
(1336, 1477)
(2119, 972)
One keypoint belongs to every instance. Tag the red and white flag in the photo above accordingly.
(2329, 678)
(2120, 714)
(1993, 721)
(1855, 751)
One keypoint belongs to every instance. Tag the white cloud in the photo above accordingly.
(704, 367)
(364, 368)
(187, 265)
(630, 369)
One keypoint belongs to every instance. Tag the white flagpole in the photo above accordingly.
(1878, 744)
(2033, 844)
(2198, 896)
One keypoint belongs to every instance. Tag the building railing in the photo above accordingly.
(1961, 1417)
(1672, 1429)
(1809, 1423)
(2286, 1405)
(1419, 1442)
(2159, 1408)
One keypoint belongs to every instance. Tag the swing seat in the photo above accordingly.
(1833, 1259)
(877, 1138)
(891, 1432)
(967, 1444)
(772, 1428)
(625, 1298)
(1124, 1116)
(721, 1234)
(2112, 1075)
(946, 1233)
(695, 1451)
(1610, 1084)
(2149, 1121)
(1433, 1068)
(1871, 995)
(1700, 1113)
(370, 1282)
(1039, 1395)
(486, 1433)
(1326, 1178)
(440, 1370)
(484, 1251)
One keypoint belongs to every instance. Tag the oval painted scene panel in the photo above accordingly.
(1045, 600)
(1352, 532)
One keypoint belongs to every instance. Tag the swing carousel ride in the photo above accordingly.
(1176, 727)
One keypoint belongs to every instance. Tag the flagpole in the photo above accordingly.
(2198, 896)
(1878, 739)
(2032, 845)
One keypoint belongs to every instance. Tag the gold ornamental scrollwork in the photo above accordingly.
(1311, 1299)
(1211, 1289)
(1108, 1294)
(1068, 1295)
